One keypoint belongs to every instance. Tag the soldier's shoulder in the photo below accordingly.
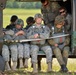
(69, 15)
(33, 26)
(55, 5)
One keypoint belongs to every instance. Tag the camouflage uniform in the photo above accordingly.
(43, 32)
(68, 19)
(50, 12)
(35, 45)
(61, 51)
(23, 48)
(7, 49)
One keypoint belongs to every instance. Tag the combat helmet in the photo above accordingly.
(19, 22)
(59, 19)
(38, 15)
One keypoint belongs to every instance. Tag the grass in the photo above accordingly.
(55, 67)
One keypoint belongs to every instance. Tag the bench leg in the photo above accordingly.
(39, 63)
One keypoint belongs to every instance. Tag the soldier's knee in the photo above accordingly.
(13, 47)
(67, 48)
(5, 47)
(26, 45)
(34, 48)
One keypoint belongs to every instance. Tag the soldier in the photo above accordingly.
(60, 45)
(39, 31)
(23, 48)
(9, 49)
(30, 21)
(12, 22)
(68, 18)
(50, 9)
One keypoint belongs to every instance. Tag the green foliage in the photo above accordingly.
(15, 5)
(25, 5)
(9, 5)
(38, 5)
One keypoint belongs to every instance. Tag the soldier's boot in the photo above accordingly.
(21, 63)
(26, 63)
(8, 66)
(64, 68)
(35, 71)
(49, 67)
(14, 65)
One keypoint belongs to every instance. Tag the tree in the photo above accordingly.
(15, 5)
(9, 5)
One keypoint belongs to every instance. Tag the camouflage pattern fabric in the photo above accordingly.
(43, 32)
(14, 52)
(5, 52)
(68, 21)
(59, 19)
(50, 12)
(61, 51)
(23, 48)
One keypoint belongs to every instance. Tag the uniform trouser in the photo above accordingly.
(62, 55)
(46, 49)
(5, 52)
(23, 50)
(14, 52)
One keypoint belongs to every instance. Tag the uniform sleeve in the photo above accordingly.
(30, 33)
(67, 40)
(51, 42)
(45, 33)
(9, 32)
(69, 22)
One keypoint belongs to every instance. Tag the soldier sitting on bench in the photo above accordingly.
(39, 31)
(60, 45)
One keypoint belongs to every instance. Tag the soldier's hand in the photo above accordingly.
(36, 36)
(20, 33)
(56, 45)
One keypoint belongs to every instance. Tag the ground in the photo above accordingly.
(55, 67)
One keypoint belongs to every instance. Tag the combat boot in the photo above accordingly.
(64, 68)
(8, 66)
(14, 65)
(49, 67)
(35, 71)
(21, 63)
(26, 63)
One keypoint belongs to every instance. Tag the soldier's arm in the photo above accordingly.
(67, 40)
(68, 22)
(51, 42)
(9, 32)
(30, 33)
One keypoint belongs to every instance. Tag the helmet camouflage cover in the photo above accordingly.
(19, 22)
(59, 19)
(38, 15)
